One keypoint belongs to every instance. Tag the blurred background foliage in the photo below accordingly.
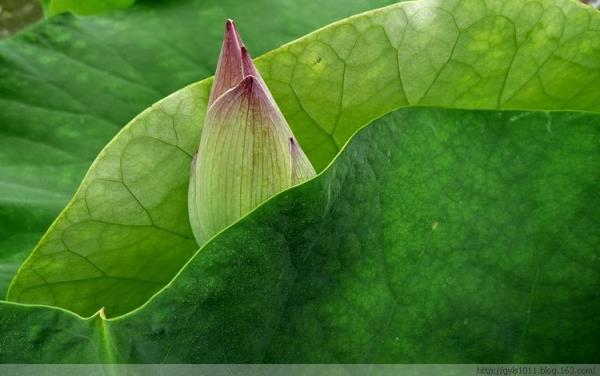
(16, 15)
(84, 7)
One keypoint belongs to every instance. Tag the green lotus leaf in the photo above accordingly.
(126, 231)
(70, 83)
(436, 236)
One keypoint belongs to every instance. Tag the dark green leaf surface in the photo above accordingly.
(68, 85)
(437, 236)
(328, 84)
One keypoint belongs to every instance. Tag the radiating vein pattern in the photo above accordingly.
(126, 232)
(457, 53)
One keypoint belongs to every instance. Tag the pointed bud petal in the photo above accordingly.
(229, 68)
(302, 169)
(249, 69)
(229, 24)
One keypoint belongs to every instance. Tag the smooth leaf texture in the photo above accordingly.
(437, 236)
(68, 85)
(513, 54)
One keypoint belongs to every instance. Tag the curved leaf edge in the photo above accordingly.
(205, 83)
(88, 174)
(99, 314)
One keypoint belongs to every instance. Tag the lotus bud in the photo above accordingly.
(247, 151)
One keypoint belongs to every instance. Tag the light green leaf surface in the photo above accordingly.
(437, 236)
(69, 84)
(480, 54)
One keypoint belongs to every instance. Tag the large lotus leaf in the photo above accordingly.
(126, 230)
(69, 84)
(437, 236)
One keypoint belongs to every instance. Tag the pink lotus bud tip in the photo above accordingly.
(229, 25)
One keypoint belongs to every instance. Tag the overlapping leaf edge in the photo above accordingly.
(203, 86)
(247, 217)
(17, 310)
(100, 314)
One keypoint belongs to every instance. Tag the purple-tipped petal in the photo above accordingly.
(230, 25)
(234, 64)
(248, 67)
(229, 68)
